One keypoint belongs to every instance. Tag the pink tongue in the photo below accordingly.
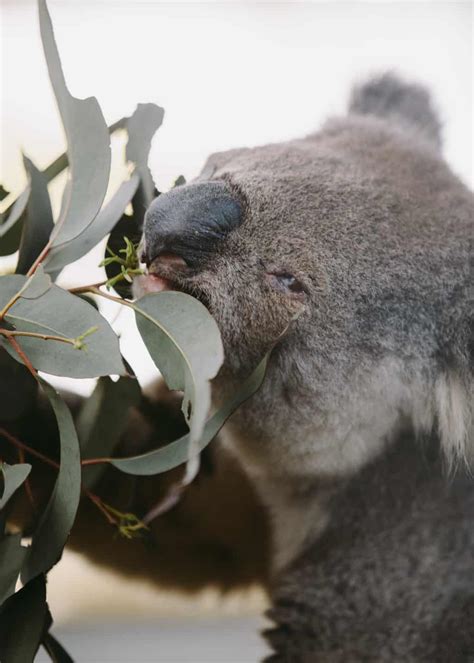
(142, 285)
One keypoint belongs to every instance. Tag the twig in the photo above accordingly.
(44, 337)
(86, 288)
(13, 342)
(52, 463)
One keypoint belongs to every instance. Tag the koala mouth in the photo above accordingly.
(168, 271)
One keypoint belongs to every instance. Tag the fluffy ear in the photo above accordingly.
(406, 104)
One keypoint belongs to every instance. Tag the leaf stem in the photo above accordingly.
(44, 337)
(86, 288)
(16, 346)
(52, 463)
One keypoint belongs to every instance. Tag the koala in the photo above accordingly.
(344, 485)
(349, 254)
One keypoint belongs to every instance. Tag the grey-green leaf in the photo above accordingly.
(184, 342)
(103, 224)
(58, 517)
(24, 618)
(13, 477)
(56, 651)
(58, 313)
(141, 127)
(38, 222)
(37, 285)
(12, 555)
(10, 230)
(102, 420)
(88, 145)
(176, 453)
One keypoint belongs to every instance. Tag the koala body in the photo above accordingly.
(358, 241)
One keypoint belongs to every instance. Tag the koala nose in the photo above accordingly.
(189, 221)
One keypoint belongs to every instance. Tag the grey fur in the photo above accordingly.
(404, 103)
(370, 218)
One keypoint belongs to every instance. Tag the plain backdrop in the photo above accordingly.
(228, 74)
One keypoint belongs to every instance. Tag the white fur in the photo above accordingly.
(455, 418)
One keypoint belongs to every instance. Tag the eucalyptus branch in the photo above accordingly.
(16, 346)
(127, 523)
(77, 343)
(86, 288)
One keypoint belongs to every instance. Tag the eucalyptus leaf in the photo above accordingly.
(24, 618)
(12, 555)
(18, 388)
(102, 420)
(37, 285)
(103, 224)
(184, 342)
(58, 517)
(58, 313)
(141, 127)
(38, 223)
(10, 230)
(88, 145)
(179, 181)
(13, 477)
(56, 651)
(176, 453)
(130, 227)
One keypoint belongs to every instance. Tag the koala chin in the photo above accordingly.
(350, 252)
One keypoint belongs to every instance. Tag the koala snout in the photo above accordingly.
(188, 221)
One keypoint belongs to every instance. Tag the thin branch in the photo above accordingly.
(52, 463)
(15, 345)
(44, 337)
(24, 447)
(86, 288)
(118, 300)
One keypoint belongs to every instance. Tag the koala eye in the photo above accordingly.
(286, 282)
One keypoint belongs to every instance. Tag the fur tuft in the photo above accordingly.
(454, 409)
(406, 104)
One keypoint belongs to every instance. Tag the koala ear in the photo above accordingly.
(406, 104)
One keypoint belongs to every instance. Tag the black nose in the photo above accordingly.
(190, 220)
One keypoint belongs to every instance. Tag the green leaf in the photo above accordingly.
(10, 230)
(141, 127)
(59, 313)
(93, 234)
(37, 285)
(12, 556)
(179, 181)
(56, 651)
(13, 477)
(102, 419)
(57, 519)
(38, 223)
(24, 618)
(88, 145)
(176, 453)
(18, 388)
(184, 342)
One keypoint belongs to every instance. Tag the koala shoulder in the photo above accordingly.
(391, 578)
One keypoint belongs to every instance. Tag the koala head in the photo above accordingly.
(354, 240)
